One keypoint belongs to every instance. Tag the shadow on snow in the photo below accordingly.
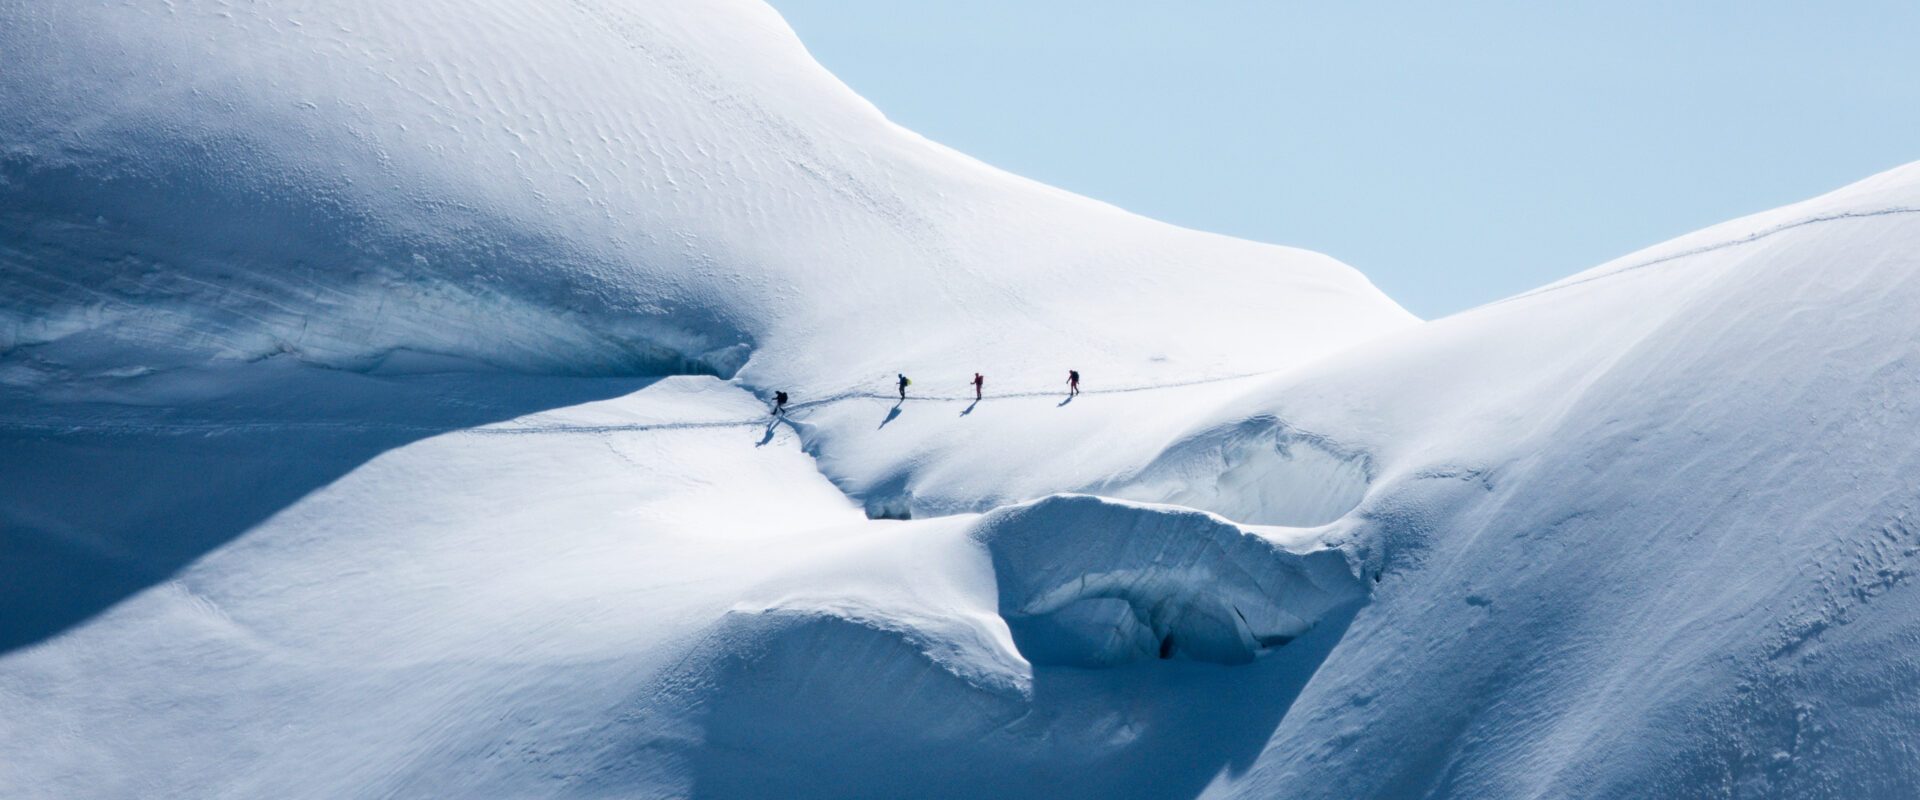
(824, 707)
(99, 500)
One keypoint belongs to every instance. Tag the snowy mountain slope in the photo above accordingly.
(437, 620)
(1652, 524)
(230, 573)
(1036, 676)
(589, 187)
(1487, 383)
(1644, 535)
(1643, 532)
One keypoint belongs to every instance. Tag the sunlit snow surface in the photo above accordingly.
(338, 460)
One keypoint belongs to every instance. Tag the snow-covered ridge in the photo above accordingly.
(582, 188)
(1650, 523)
(1888, 194)
(1647, 532)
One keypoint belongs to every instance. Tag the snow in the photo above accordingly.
(378, 626)
(382, 389)
(1139, 581)
(1653, 523)
(584, 188)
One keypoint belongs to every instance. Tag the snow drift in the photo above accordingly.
(1257, 470)
(1076, 644)
(1087, 581)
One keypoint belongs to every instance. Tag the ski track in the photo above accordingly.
(1703, 249)
(83, 427)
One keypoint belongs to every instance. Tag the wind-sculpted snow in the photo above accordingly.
(900, 662)
(1079, 580)
(587, 187)
(1089, 581)
(1256, 471)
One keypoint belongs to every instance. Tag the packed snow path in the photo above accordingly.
(1684, 248)
(104, 421)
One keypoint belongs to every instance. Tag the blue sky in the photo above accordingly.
(1456, 153)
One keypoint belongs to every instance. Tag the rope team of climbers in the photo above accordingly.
(901, 382)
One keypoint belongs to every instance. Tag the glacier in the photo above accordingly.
(382, 390)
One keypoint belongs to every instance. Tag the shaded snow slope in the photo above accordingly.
(1645, 532)
(591, 187)
(444, 616)
(116, 483)
(1087, 581)
(1070, 647)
